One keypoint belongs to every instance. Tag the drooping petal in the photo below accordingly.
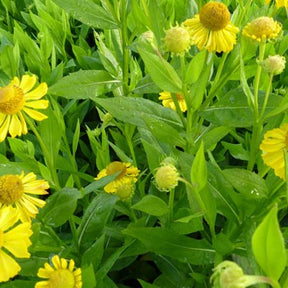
(39, 104)
(27, 82)
(15, 127)
(37, 93)
(4, 128)
(8, 267)
(35, 114)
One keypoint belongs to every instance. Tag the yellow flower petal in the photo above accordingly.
(39, 104)
(27, 82)
(15, 127)
(8, 267)
(37, 93)
(4, 128)
(35, 114)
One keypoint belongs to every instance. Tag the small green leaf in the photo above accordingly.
(162, 73)
(152, 205)
(268, 246)
(195, 67)
(147, 285)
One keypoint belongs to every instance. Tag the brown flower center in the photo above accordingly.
(214, 16)
(11, 189)
(11, 99)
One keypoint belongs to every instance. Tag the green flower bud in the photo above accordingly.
(166, 177)
(274, 64)
(177, 40)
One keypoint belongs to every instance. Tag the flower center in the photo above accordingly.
(11, 189)
(214, 16)
(179, 96)
(11, 99)
(115, 167)
(62, 278)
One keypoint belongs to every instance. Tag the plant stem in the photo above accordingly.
(266, 97)
(171, 205)
(125, 65)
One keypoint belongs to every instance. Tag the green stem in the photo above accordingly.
(171, 206)
(178, 109)
(46, 154)
(74, 232)
(125, 65)
(266, 96)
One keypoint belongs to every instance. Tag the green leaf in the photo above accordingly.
(162, 73)
(60, 206)
(195, 67)
(95, 218)
(199, 170)
(236, 150)
(152, 205)
(88, 275)
(88, 13)
(247, 183)
(165, 242)
(84, 84)
(233, 111)
(268, 246)
(133, 110)
(76, 138)
(147, 285)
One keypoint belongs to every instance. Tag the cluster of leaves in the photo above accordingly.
(104, 77)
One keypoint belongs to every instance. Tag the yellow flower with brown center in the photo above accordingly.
(212, 29)
(16, 191)
(17, 98)
(167, 100)
(273, 145)
(279, 3)
(14, 241)
(123, 184)
(60, 274)
(262, 29)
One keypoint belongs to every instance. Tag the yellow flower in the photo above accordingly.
(15, 99)
(177, 40)
(60, 274)
(15, 241)
(279, 3)
(166, 177)
(123, 185)
(168, 102)
(262, 29)
(15, 191)
(273, 144)
(212, 29)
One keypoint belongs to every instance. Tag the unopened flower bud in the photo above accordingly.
(107, 118)
(177, 40)
(166, 177)
(274, 64)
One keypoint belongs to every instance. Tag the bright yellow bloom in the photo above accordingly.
(262, 29)
(14, 238)
(273, 144)
(15, 99)
(279, 3)
(167, 100)
(212, 29)
(60, 274)
(123, 185)
(15, 191)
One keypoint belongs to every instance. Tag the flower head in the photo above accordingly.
(262, 29)
(177, 40)
(272, 146)
(211, 28)
(167, 100)
(274, 64)
(123, 184)
(166, 176)
(228, 274)
(14, 238)
(15, 190)
(17, 98)
(279, 3)
(60, 274)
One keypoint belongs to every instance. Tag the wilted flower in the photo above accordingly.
(212, 29)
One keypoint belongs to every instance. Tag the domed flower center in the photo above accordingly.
(125, 191)
(11, 99)
(214, 16)
(11, 189)
(179, 96)
(62, 279)
(263, 28)
(115, 167)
